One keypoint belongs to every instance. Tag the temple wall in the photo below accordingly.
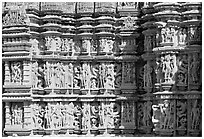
(102, 68)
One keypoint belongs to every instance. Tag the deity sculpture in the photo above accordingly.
(94, 74)
(195, 115)
(147, 108)
(194, 69)
(147, 76)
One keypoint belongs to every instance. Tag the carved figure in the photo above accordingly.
(194, 69)
(166, 110)
(158, 69)
(182, 71)
(85, 116)
(40, 74)
(77, 78)
(109, 83)
(118, 75)
(163, 35)
(85, 75)
(102, 74)
(167, 70)
(181, 115)
(147, 108)
(128, 72)
(95, 116)
(35, 44)
(195, 116)
(34, 74)
(69, 75)
(16, 73)
(77, 116)
(147, 76)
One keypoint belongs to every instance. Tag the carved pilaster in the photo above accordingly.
(27, 115)
(7, 77)
(26, 73)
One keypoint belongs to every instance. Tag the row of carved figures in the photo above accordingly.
(93, 115)
(172, 35)
(86, 116)
(84, 75)
(181, 70)
(53, 43)
(164, 112)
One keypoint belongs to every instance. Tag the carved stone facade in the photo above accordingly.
(101, 68)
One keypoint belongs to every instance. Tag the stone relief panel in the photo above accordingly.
(94, 76)
(16, 114)
(195, 114)
(167, 119)
(148, 77)
(128, 73)
(149, 42)
(35, 46)
(118, 75)
(128, 114)
(145, 115)
(194, 68)
(181, 108)
(106, 45)
(16, 72)
(182, 73)
(194, 34)
(169, 67)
